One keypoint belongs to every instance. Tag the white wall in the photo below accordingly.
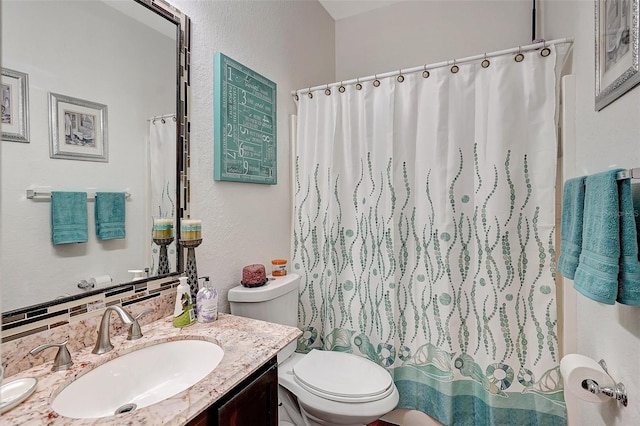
(51, 42)
(604, 139)
(414, 33)
(290, 43)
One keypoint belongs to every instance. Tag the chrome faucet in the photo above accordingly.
(103, 344)
(62, 361)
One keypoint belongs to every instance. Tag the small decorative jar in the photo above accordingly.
(279, 267)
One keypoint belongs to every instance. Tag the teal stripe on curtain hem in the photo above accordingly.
(465, 408)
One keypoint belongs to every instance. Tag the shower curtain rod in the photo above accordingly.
(428, 67)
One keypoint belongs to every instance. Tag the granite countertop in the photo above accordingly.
(247, 344)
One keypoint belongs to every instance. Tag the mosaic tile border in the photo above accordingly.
(24, 322)
(80, 330)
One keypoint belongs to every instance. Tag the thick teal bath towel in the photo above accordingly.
(597, 274)
(571, 226)
(110, 215)
(629, 277)
(69, 217)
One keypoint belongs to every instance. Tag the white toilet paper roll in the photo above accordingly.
(100, 280)
(576, 368)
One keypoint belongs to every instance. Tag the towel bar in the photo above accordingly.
(629, 174)
(41, 195)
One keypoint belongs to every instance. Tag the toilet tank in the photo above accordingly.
(276, 301)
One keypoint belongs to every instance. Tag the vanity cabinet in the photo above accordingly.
(253, 402)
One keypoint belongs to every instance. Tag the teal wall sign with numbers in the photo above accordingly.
(244, 124)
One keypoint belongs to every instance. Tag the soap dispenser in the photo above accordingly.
(183, 313)
(207, 301)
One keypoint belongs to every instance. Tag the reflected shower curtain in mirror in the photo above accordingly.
(162, 172)
(424, 235)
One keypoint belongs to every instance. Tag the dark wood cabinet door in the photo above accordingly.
(255, 405)
(253, 402)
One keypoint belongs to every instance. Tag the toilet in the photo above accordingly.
(321, 387)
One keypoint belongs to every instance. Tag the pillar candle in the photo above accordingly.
(191, 229)
(162, 228)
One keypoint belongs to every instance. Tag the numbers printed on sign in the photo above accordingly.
(245, 123)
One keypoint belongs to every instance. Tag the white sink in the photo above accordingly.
(138, 379)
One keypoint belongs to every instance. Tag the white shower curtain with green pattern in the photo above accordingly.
(424, 236)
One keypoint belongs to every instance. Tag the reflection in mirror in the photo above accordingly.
(121, 54)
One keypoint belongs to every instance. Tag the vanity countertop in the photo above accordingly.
(247, 344)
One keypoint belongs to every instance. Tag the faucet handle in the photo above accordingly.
(62, 361)
(134, 331)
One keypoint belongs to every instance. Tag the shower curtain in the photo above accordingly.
(162, 179)
(424, 235)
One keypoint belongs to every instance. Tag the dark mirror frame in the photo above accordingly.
(183, 41)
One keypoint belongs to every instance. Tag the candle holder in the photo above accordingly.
(192, 270)
(163, 259)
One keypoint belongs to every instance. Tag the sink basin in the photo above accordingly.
(138, 379)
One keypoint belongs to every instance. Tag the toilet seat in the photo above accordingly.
(342, 377)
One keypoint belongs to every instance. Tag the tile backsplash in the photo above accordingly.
(78, 320)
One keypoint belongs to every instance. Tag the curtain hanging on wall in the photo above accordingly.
(424, 236)
(162, 176)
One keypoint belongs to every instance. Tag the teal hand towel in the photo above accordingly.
(69, 217)
(571, 226)
(597, 274)
(629, 277)
(110, 215)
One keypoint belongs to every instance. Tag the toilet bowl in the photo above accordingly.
(335, 388)
(321, 387)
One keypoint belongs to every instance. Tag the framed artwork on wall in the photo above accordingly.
(617, 26)
(15, 106)
(78, 129)
(245, 124)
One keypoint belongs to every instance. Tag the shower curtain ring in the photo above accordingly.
(310, 94)
(485, 63)
(545, 50)
(296, 97)
(341, 89)
(425, 73)
(358, 85)
(519, 57)
(162, 120)
(400, 76)
(327, 91)
(455, 68)
(376, 82)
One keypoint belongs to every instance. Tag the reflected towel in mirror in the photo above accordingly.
(110, 215)
(69, 217)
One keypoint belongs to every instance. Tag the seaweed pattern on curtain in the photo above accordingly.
(375, 289)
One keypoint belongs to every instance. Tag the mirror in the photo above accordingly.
(130, 56)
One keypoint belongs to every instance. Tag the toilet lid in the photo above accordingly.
(342, 377)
